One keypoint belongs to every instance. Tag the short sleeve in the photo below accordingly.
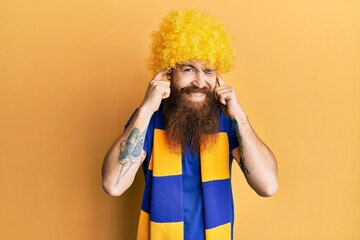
(233, 139)
(130, 119)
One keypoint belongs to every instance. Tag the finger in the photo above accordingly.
(222, 100)
(220, 81)
(164, 83)
(219, 91)
(224, 96)
(224, 90)
(160, 83)
(166, 94)
(160, 74)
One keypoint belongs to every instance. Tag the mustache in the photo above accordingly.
(192, 89)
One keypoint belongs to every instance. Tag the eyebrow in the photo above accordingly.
(192, 66)
(187, 65)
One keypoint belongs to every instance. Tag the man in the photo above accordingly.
(186, 133)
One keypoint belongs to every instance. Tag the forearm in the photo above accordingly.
(125, 156)
(255, 159)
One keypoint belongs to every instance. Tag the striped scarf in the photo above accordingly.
(162, 214)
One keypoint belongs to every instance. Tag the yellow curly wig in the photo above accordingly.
(188, 34)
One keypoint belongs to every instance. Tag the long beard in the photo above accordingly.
(188, 123)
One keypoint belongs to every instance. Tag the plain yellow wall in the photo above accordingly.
(71, 73)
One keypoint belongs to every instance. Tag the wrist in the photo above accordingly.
(145, 111)
(240, 118)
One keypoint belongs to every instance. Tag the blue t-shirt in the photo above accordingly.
(191, 174)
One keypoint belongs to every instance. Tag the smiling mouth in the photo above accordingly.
(195, 96)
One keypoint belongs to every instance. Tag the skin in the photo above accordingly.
(126, 154)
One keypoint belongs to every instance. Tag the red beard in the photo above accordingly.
(190, 123)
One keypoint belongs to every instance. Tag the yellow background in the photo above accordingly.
(71, 73)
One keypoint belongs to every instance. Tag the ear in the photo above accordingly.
(169, 74)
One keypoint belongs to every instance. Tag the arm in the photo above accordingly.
(125, 156)
(256, 160)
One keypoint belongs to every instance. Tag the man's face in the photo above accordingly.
(194, 77)
(191, 111)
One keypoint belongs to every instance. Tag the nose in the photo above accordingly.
(200, 80)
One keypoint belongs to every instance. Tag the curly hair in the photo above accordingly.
(187, 34)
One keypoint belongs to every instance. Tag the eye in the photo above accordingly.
(209, 72)
(188, 70)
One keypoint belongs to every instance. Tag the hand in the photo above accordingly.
(227, 97)
(157, 90)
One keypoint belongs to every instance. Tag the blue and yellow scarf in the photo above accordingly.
(162, 215)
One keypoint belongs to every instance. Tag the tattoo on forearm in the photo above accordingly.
(242, 158)
(130, 151)
(236, 125)
(242, 161)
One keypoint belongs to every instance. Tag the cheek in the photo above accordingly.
(212, 82)
(180, 82)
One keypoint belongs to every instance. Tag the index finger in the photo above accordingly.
(160, 74)
(220, 81)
